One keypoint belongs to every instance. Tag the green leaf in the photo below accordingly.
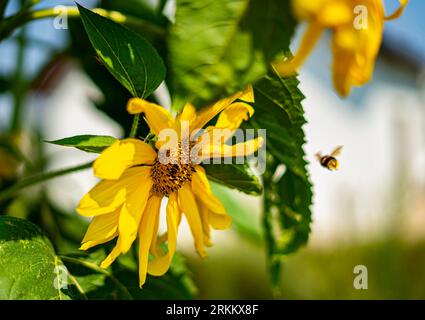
(132, 60)
(237, 176)
(93, 281)
(287, 188)
(29, 269)
(114, 95)
(219, 46)
(176, 284)
(121, 281)
(27, 262)
(88, 143)
(272, 26)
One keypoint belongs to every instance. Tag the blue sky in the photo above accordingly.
(409, 28)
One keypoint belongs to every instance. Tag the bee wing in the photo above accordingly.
(337, 151)
(319, 156)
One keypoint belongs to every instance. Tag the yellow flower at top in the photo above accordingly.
(135, 178)
(357, 27)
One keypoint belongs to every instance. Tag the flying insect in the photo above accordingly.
(330, 161)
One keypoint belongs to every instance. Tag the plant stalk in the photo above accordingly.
(37, 178)
(18, 89)
(135, 126)
(11, 23)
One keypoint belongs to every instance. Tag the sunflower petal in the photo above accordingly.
(129, 222)
(201, 188)
(112, 256)
(129, 217)
(184, 121)
(188, 113)
(308, 41)
(204, 212)
(159, 265)
(229, 120)
(146, 231)
(396, 14)
(101, 229)
(122, 155)
(210, 112)
(155, 247)
(132, 210)
(223, 150)
(157, 117)
(232, 117)
(335, 13)
(108, 195)
(219, 221)
(211, 209)
(188, 205)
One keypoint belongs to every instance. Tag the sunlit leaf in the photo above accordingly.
(127, 55)
(218, 47)
(237, 176)
(30, 269)
(88, 143)
(28, 264)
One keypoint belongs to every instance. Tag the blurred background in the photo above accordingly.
(371, 212)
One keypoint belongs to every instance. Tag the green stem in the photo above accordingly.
(96, 268)
(16, 153)
(37, 178)
(135, 125)
(59, 262)
(11, 23)
(149, 137)
(18, 89)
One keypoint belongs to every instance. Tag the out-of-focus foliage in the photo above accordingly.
(396, 270)
(129, 57)
(219, 47)
(4, 84)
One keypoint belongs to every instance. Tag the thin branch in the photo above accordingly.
(96, 268)
(11, 23)
(135, 125)
(37, 178)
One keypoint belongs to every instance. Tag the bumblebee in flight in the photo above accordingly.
(330, 161)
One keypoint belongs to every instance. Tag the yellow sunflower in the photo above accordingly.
(355, 46)
(126, 202)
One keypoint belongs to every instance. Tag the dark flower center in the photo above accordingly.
(171, 173)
